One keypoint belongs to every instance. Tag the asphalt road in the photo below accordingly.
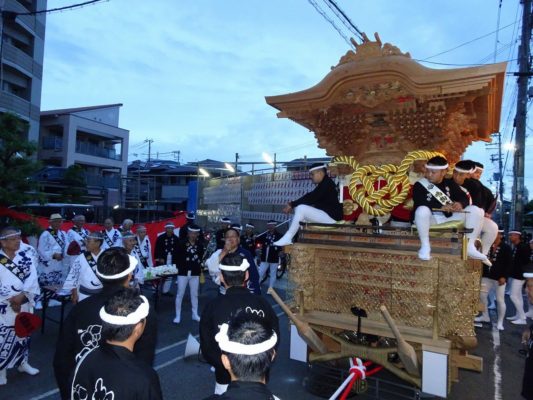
(192, 379)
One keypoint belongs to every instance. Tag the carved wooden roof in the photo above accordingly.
(378, 104)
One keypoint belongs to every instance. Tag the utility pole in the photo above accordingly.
(149, 141)
(520, 119)
(498, 176)
(236, 163)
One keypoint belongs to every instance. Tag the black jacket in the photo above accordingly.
(269, 252)
(166, 244)
(324, 197)
(482, 196)
(521, 254)
(248, 243)
(421, 197)
(219, 237)
(190, 258)
(238, 390)
(502, 261)
(220, 310)
(114, 372)
(81, 333)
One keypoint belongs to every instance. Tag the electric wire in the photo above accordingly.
(327, 18)
(57, 9)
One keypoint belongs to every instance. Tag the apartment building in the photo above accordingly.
(21, 60)
(89, 137)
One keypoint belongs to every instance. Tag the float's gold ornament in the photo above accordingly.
(380, 200)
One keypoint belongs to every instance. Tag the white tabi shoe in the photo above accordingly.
(529, 314)
(196, 317)
(177, 320)
(3, 377)
(27, 368)
(482, 318)
(282, 242)
(476, 255)
(500, 327)
(511, 318)
(424, 253)
(519, 322)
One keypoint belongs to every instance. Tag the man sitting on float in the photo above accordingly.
(437, 200)
(476, 193)
(321, 205)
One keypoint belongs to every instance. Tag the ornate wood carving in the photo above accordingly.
(377, 104)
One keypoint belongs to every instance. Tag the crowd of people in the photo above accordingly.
(113, 324)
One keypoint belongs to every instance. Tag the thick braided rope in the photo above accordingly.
(396, 187)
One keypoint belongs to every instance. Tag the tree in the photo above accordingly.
(75, 182)
(17, 164)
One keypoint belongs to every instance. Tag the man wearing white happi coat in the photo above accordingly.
(81, 279)
(112, 236)
(437, 200)
(78, 233)
(129, 241)
(144, 247)
(52, 249)
(18, 290)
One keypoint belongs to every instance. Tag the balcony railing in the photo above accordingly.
(97, 151)
(52, 143)
(15, 104)
(108, 182)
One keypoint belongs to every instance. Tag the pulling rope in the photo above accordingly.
(358, 371)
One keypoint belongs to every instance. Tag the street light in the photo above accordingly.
(229, 167)
(509, 146)
(267, 158)
(203, 172)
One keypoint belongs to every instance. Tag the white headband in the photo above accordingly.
(245, 349)
(464, 171)
(130, 319)
(232, 268)
(193, 229)
(250, 226)
(318, 167)
(170, 225)
(16, 233)
(515, 232)
(479, 168)
(429, 166)
(133, 264)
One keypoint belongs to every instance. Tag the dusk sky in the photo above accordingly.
(192, 75)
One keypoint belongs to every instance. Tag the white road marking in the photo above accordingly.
(497, 361)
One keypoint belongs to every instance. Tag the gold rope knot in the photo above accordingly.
(378, 189)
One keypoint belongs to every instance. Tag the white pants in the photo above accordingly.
(489, 231)
(273, 269)
(472, 218)
(220, 388)
(165, 288)
(305, 213)
(516, 297)
(194, 282)
(486, 286)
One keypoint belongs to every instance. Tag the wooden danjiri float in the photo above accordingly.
(379, 112)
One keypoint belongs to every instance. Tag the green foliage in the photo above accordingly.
(28, 228)
(75, 190)
(16, 162)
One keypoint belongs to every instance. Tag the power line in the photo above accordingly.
(51, 10)
(344, 19)
(470, 41)
(327, 18)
